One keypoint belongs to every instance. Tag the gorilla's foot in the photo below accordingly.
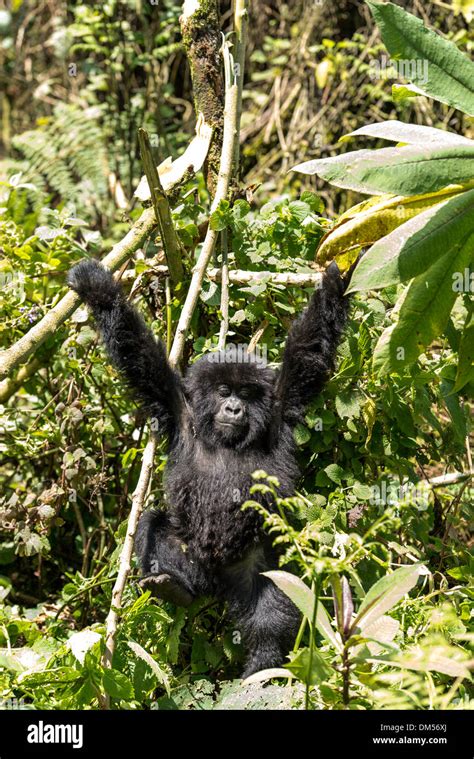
(167, 588)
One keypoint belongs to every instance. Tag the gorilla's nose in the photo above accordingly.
(233, 410)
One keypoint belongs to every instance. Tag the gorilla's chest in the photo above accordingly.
(206, 490)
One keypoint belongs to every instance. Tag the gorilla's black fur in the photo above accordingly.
(224, 420)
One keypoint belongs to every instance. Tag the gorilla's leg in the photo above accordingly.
(168, 572)
(267, 620)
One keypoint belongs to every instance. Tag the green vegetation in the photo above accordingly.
(376, 544)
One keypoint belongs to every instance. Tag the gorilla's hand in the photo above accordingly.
(94, 284)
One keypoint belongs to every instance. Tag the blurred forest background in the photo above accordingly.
(77, 81)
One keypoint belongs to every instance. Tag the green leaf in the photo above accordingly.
(423, 312)
(410, 170)
(335, 473)
(301, 434)
(411, 134)
(386, 593)
(445, 73)
(348, 404)
(310, 669)
(304, 599)
(57, 676)
(383, 630)
(403, 92)
(117, 685)
(364, 224)
(416, 245)
(154, 666)
(299, 210)
(362, 492)
(454, 409)
(221, 217)
(465, 370)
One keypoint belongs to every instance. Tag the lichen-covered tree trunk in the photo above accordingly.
(202, 41)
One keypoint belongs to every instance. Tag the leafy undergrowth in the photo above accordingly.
(366, 505)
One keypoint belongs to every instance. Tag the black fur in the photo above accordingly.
(224, 420)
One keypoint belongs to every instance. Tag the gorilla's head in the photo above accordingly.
(232, 400)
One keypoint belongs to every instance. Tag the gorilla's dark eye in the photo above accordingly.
(224, 391)
(247, 392)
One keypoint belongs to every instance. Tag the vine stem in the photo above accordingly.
(315, 588)
(346, 676)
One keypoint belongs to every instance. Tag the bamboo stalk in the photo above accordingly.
(169, 238)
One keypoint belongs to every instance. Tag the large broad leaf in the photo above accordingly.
(379, 634)
(367, 222)
(423, 312)
(416, 245)
(465, 372)
(139, 651)
(117, 685)
(411, 134)
(453, 406)
(410, 170)
(304, 599)
(386, 593)
(444, 72)
(433, 659)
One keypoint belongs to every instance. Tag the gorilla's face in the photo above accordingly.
(232, 402)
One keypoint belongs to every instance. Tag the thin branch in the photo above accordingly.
(224, 271)
(245, 277)
(10, 385)
(138, 500)
(452, 478)
(240, 29)
(171, 244)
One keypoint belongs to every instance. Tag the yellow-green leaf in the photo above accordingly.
(371, 221)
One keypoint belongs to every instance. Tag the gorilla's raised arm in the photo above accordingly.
(130, 344)
(310, 350)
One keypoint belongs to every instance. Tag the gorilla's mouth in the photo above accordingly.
(231, 425)
(231, 429)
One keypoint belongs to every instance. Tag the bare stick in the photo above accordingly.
(224, 271)
(240, 29)
(169, 238)
(138, 499)
(452, 478)
(244, 277)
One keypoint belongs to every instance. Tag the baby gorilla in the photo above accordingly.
(225, 419)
